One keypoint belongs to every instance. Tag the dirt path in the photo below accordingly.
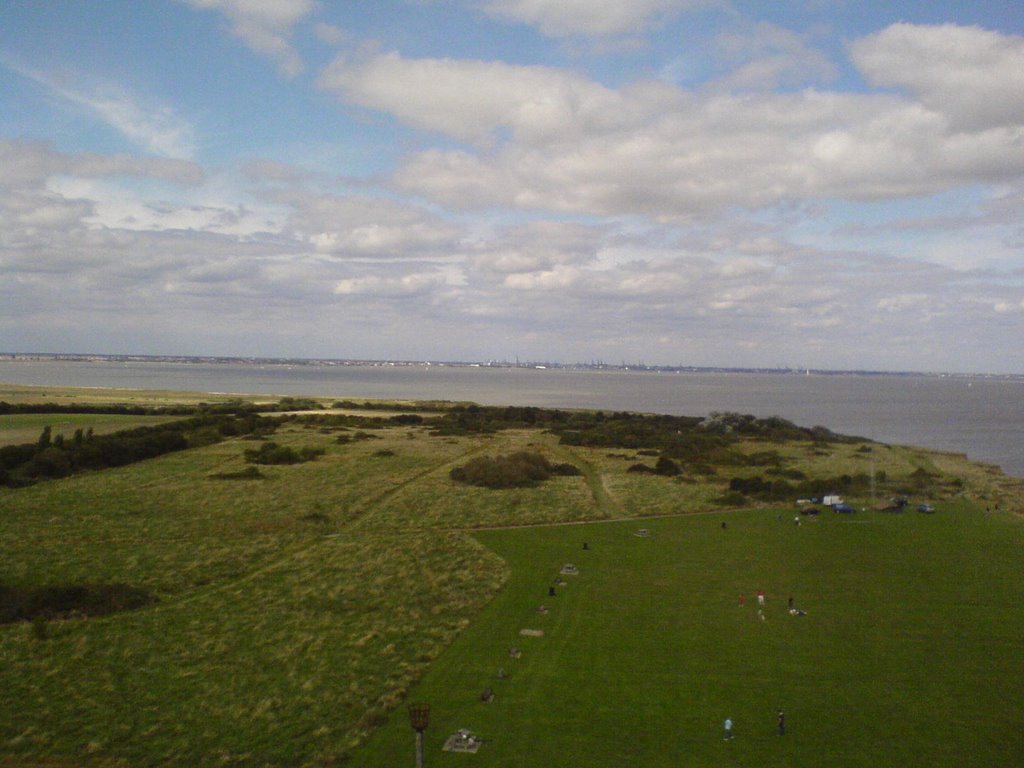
(603, 500)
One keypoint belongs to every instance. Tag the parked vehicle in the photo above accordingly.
(925, 508)
(843, 508)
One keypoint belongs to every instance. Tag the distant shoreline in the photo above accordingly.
(73, 357)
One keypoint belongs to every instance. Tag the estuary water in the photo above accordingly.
(981, 417)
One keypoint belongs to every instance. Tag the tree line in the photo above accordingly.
(234, 407)
(53, 456)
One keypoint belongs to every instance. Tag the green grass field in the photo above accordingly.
(909, 653)
(297, 614)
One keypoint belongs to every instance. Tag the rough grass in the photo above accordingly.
(296, 611)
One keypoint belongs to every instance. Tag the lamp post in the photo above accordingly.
(419, 716)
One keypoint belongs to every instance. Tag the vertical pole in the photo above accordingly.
(419, 716)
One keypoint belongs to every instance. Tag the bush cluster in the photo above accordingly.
(29, 602)
(773, 428)
(479, 419)
(272, 453)
(699, 442)
(665, 467)
(516, 470)
(782, 490)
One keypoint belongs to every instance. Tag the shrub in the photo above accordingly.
(203, 437)
(517, 470)
(49, 462)
(408, 419)
(65, 600)
(568, 470)
(308, 453)
(750, 486)
(272, 453)
(642, 469)
(667, 467)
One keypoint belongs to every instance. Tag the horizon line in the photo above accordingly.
(639, 366)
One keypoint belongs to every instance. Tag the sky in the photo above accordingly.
(812, 183)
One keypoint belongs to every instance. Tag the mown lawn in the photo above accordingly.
(909, 653)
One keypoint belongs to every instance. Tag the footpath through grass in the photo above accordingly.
(909, 652)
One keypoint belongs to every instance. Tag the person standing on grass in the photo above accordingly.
(743, 600)
(728, 729)
(782, 723)
(760, 597)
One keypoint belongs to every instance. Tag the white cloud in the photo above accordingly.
(24, 163)
(265, 26)
(564, 18)
(1008, 307)
(26, 216)
(973, 77)
(767, 56)
(356, 226)
(417, 284)
(471, 99)
(551, 139)
(559, 278)
(902, 302)
(744, 267)
(575, 290)
(536, 246)
(154, 127)
(158, 130)
(656, 149)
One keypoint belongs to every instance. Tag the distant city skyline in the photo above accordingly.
(708, 183)
(577, 365)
